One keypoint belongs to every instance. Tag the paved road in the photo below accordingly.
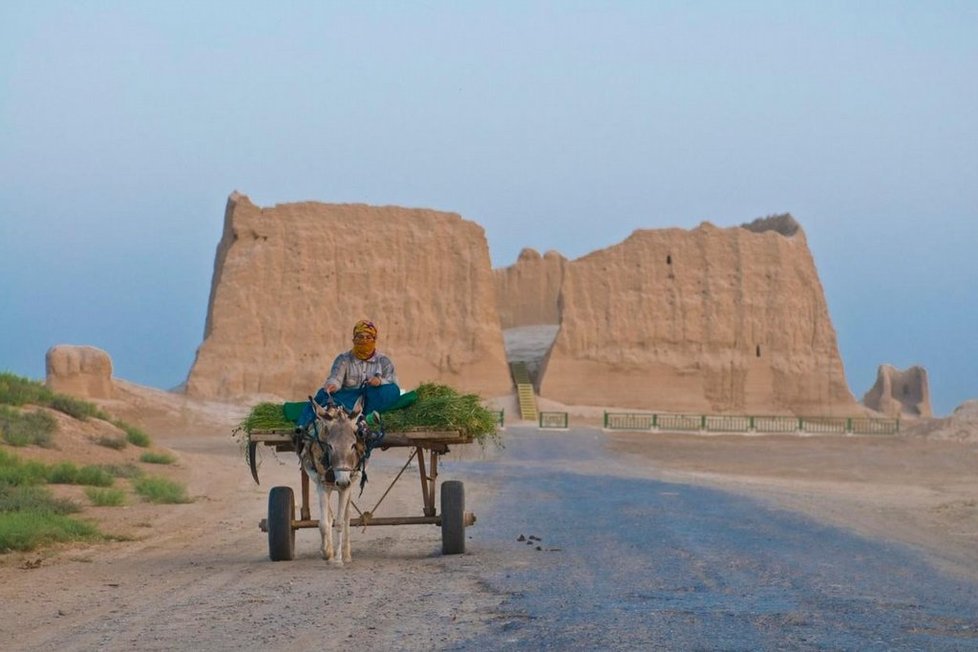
(629, 563)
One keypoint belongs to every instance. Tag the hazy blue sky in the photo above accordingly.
(554, 125)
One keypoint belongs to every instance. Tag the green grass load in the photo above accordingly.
(438, 407)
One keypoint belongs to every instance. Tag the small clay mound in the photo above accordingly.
(961, 426)
(900, 393)
(784, 224)
(81, 371)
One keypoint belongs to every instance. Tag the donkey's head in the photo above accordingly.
(338, 435)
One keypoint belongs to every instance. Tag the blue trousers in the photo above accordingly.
(378, 399)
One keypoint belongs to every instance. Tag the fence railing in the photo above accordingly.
(736, 423)
(553, 420)
(867, 426)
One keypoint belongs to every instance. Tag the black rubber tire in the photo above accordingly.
(281, 534)
(452, 518)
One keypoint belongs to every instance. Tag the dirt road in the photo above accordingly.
(199, 578)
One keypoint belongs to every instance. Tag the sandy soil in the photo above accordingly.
(197, 575)
(916, 491)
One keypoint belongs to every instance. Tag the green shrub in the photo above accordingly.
(68, 473)
(62, 473)
(160, 490)
(105, 497)
(115, 443)
(135, 436)
(74, 407)
(128, 470)
(32, 498)
(15, 472)
(15, 390)
(95, 476)
(28, 530)
(25, 429)
(150, 457)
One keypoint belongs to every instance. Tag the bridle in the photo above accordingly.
(323, 461)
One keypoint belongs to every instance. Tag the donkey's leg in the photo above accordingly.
(346, 496)
(325, 521)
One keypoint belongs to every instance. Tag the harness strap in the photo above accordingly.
(371, 440)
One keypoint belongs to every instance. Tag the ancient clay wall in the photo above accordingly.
(704, 320)
(81, 371)
(900, 393)
(290, 281)
(527, 291)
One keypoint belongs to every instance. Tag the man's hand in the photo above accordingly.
(330, 388)
(375, 381)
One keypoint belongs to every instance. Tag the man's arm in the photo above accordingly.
(387, 375)
(337, 373)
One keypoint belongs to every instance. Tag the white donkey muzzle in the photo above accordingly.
(341, 477)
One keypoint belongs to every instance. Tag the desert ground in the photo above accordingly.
(197, 575)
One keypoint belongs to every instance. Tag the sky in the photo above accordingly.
(124, 126)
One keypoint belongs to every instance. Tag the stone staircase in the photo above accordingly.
(524, 391)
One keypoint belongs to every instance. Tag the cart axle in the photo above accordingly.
(468, 520)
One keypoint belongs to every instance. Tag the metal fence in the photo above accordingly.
(724, 423)
(867, 426)
(824, 425)
(619, 421)
(553, 420)
(680, 422)
(736, 423)
(774, 424)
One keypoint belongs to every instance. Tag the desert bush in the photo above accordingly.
(68, 473)
(15, 390)
(33, 498)
(160, 490)
(134, 435)
(103, 497)
(76, 408)
(115, 443)
(26, 429)
(150, 457)
(28, 530)
(13, 471)
(128, 470)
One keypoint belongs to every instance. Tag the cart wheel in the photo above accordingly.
(281, 534)
(452, 517)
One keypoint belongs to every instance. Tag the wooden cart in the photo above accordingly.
(281, 523)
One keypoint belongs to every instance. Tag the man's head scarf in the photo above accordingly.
(364, 348)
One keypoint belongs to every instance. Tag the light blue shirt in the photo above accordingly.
(350, 371)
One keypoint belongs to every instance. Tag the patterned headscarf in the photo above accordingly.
(364, 348)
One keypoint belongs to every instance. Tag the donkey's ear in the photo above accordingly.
(318, 409)
(357, 408)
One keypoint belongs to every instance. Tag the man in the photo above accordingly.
(360, 371)
(361, 365)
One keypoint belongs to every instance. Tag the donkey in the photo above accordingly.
(332, 456)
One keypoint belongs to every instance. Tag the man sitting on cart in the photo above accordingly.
(361, 371)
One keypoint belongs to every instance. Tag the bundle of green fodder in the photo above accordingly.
(265, 416)
(440, 407)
